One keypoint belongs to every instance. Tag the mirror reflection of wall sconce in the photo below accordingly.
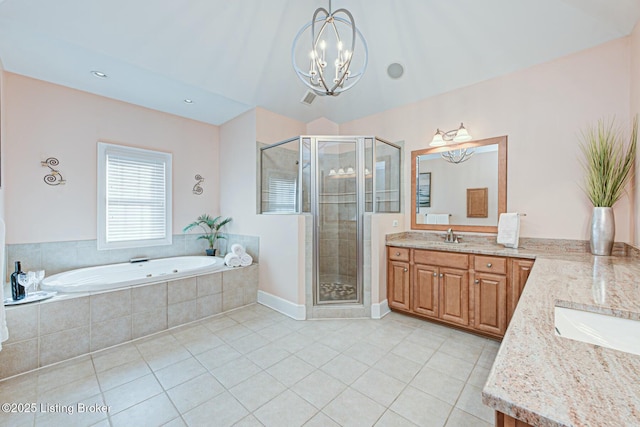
(455, 136)
(197, 189)
(348, 173)
(54, 177)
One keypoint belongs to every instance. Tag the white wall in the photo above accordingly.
(281, 239)
(46, 120)
(542, 109)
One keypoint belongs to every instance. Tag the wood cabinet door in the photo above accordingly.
(398, 285)
(425, 290)
(490, 303)
(454, 295)
(520, 269)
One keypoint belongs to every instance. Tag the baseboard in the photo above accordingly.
(295, 311)
(378, 311)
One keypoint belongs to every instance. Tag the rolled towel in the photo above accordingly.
(246, 260)
(232, 260)
(237, 249)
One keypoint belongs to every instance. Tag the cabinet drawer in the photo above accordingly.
(399, 254)
(490, 264)
(441, 259)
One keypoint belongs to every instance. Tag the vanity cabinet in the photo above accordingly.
(476, 292)
(398, 280)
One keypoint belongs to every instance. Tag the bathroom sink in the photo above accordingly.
(599, 329)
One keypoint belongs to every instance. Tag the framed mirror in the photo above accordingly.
(467, 194)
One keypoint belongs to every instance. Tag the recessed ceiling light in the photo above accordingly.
(395, 70)
(188, 101)
(99, 74)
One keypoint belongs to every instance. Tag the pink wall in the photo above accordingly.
(542, 109)
(281, 241)
(43, 119)
(635, 110)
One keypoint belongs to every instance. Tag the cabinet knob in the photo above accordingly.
(435, 274)
(397, 253)
(441, 275)
(488, 265)
(405, 270)
(476, 281)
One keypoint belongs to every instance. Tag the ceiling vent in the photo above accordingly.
(308, 98)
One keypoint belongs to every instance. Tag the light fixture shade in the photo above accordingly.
(437, 140)
(325, 55)
(462, 135)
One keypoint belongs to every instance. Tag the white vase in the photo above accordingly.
(603, 231)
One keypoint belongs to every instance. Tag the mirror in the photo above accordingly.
(465, 196)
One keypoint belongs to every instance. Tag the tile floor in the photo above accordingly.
(254, 366)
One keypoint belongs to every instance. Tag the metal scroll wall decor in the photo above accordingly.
(54, 177)
(197, 189)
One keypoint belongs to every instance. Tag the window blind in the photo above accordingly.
(135, 203)
(282, 194)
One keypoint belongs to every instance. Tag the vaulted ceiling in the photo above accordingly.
(231, 56)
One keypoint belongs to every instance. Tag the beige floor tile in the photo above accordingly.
(72, 392)
(317, 354)
(152, 412)
(194, 392)
(78, 414)
(319, 388)
(420, 408)
(461, 350)
(123, 374)
(275, 331)
(202, 344)
(223, 410)
(232, 333)
(379, 386)
(451, 366)
(179, 372)
(460, 418)
(321, 420)
(64, 373)
(176, 422)
(470, 401)
(235, 372)
(257, 390)
(398, 367)
(344, 368)
(338, 341)
(116, 356)
(165, 357)
(365, 353)
(391, 419)
(352, 408)
(287, 409)
(218, 323)
(248, 421)
(414, 352)
(290, 370)
(268, 355)
(132, 393)
(191, 332)
(249, 343)
(438, 384)
(293, 342)
(478, 376)
(218, 356)
(426, 338)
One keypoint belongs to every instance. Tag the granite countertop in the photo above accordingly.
(546, 380)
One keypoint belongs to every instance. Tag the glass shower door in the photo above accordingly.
(337, 219)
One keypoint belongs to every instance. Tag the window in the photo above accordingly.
(282, 193)
(134, 197)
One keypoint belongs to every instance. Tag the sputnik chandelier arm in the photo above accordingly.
(318, 78)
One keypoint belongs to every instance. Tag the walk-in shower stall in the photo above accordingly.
(336, 179)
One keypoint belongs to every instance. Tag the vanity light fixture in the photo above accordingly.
(457, 136)
(332, 37)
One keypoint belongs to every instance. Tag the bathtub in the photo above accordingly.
(114, 276)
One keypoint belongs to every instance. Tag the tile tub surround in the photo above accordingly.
(56, 257)
(70, 325)
(546, 380)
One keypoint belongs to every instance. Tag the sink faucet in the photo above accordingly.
(450, 238)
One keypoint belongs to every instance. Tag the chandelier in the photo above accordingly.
(332, 41)
(457, 155)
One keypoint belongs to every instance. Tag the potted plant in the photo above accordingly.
(211, 227)
(608, 166)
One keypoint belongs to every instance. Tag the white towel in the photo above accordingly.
(246, 260)
(231, 260)
(434, 218)
(509, 230)
(237, 249)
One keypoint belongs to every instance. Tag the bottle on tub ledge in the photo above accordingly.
(17, 290)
